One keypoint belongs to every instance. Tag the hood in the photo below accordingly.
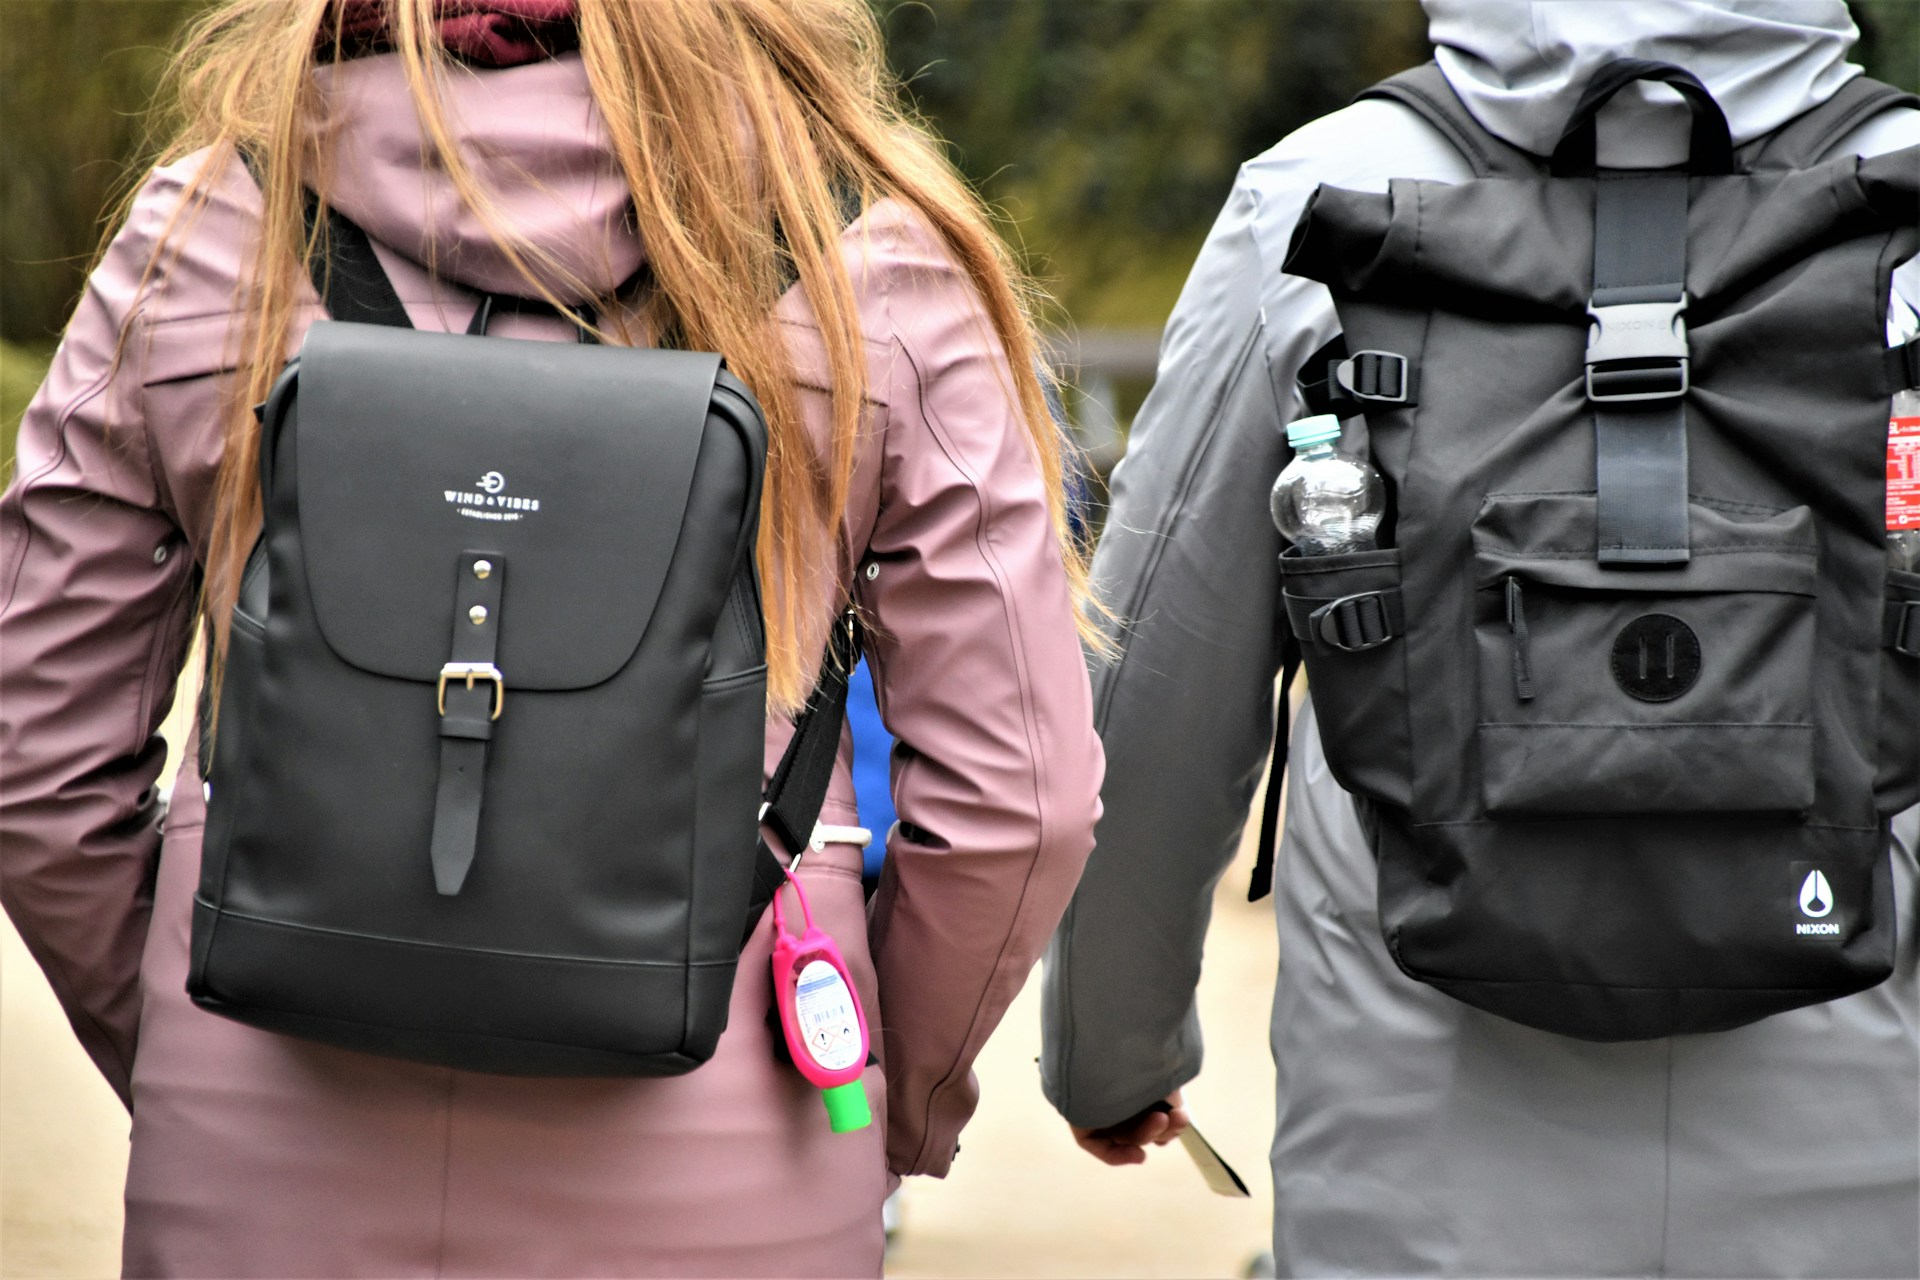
(1520, 65)
(535, 141)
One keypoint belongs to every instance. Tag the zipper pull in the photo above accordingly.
(1517, 624)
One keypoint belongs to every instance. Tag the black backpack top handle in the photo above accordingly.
(1712, 146)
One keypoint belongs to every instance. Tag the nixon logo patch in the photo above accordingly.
(1815, 903)
(1656, 658)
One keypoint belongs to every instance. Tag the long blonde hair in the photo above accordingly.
(679, 83)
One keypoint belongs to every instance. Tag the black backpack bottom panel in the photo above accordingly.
(509, 1013)
(1572, 926)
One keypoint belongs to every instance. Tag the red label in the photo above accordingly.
(1903, 474)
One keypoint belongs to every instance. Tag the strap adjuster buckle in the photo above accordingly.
(1374, 377)
(470, 672)
(1637, 351)
(1353, 624)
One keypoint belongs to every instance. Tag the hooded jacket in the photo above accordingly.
(258, 1154)
(1415, 1135)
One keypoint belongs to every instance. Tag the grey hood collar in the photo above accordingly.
(1520, 65)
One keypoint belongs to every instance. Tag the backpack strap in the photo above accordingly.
(1810, 137)
(1425, 92)
(1264, 852)
(799, 786)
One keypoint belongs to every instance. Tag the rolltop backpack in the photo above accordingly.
(1629, 695)
(485, 783)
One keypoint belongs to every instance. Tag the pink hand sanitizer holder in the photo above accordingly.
(820, 1014)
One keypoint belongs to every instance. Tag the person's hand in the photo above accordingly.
(1127, 1142)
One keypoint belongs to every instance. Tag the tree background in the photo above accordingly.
(1107, 131)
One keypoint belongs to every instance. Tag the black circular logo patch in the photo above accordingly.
(1656, 658)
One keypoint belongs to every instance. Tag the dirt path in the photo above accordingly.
(1022, 1201)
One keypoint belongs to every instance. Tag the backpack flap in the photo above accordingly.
(399, 491)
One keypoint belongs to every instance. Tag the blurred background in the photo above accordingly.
(1107, 132)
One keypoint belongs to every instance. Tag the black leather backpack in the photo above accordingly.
(485, 784)
(1631, 692)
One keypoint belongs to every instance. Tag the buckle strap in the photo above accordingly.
(1333, 382)
(1901, 629)
(471, 696)
(1637, 369)
(1349, 624)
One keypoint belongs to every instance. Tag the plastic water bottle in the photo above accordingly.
(1326, 502)
(1903, 457)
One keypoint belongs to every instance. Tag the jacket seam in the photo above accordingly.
(1179, 505)
(1036, 757)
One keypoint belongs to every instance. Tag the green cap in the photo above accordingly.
(1315, 430)
(847, 1108)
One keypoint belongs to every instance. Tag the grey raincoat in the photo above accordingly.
(1417, 1136)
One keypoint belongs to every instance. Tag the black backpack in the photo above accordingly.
(1632, 693)
(486, 779)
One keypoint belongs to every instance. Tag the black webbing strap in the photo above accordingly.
(1903, 367)
(1902, 627)
(1637, 367)
(1331, 381)
(1262, 883)
(472, 695)
(1348, 624)
(1637, 360)
(799, 785)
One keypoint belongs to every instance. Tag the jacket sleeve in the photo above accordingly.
(978, 674)
(1186, 710)
(97, 590)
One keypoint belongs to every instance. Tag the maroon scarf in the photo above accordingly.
(487, 33)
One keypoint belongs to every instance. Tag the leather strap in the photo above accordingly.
(470, 698)
(798, 788)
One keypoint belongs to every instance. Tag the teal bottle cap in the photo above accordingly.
(1315, 430)
(847, 1107)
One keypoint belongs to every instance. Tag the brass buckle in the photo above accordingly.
(472, 671)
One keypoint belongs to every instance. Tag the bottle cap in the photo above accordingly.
(847, 1107)
(1315, 430)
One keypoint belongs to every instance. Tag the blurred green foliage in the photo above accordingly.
(1110, 132)
(1107, 130)
(76, 77)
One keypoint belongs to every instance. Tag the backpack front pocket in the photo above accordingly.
(1644, 690)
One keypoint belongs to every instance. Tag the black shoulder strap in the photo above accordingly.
(347, 274)
(799, 785)
(1809, 137)
(1276, 774)
(1424, 91)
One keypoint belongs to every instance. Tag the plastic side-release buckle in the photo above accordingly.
(1376, 377)
(1354, 624)
(1637, 351)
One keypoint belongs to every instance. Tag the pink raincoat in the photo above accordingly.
(258, 1154)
